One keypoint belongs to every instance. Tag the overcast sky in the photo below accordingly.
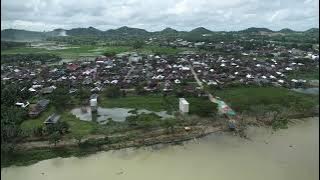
(153, 15)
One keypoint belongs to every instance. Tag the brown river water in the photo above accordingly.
(291, 154)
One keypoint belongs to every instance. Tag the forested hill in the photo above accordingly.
(129, 32)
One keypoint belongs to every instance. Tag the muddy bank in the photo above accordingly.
(32, 152)
(290, 154)
(41, 150)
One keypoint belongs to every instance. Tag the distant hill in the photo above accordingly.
(287, 30)
(21, 35)
(256, 30)
(312, 30)
(91, 31)
(169, 30)
(127, 32)
(200, 30)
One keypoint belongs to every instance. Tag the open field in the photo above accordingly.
(92, 51)
(150, 102)
(245, 98)
(309, 75)
(75, 52)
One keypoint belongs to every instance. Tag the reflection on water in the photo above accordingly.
(307, 90)
(290, 154)
(117, 114)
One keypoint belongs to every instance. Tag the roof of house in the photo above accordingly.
(43, 102)
(94, 96)
(54, 118)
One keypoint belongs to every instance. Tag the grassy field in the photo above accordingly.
(308, 75)
(149, 102)
(93, 50)
(77, 127)
(244, 98)
(30, 124)
(71, 52)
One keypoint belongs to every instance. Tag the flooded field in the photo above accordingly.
(290, 154)
(117, 114)
(51, 46)
(307, 90)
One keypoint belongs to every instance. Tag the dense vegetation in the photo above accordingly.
(18, 58)
(243, 99)
(9, 45)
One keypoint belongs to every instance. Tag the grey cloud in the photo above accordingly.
(155, 15)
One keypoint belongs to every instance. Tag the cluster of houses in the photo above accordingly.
(223, 72)
(161, 72)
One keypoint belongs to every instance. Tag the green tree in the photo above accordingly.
(143, 120)
(169, 124)
(203, 108)
(11, 118)
(78, 137)
(139, 89)
(109, 53)
(60, 99)
(9, 94)
(83, 94)
(137, 44)
(61, 127)
(55, 138)
(112, 92)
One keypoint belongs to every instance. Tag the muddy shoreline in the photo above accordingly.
(106, 143)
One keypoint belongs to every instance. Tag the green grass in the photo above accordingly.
(93, 50)
(308, 75)
(149, 102)
(29, 125)
(24, 158)
(243, 98)
(86, 50)
(77, 126)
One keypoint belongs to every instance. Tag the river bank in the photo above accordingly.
(33, 151)
(290, 154)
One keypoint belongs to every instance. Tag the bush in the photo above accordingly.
(112, 92)
(279, 123)
(146, 121)
(94, 142)
(202, 107)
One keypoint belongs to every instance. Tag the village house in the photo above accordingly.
(52, 119)
(36, 109)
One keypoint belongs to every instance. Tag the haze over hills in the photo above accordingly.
(24, 35)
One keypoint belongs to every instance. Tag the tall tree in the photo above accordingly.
(60, 98)
(54, 138)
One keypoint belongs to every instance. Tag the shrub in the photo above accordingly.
(112, 92)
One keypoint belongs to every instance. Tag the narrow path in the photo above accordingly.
(222, 106)
(129, 73)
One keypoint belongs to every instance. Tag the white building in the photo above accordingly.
(183, 105)
(135, 58)
(94, 102)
